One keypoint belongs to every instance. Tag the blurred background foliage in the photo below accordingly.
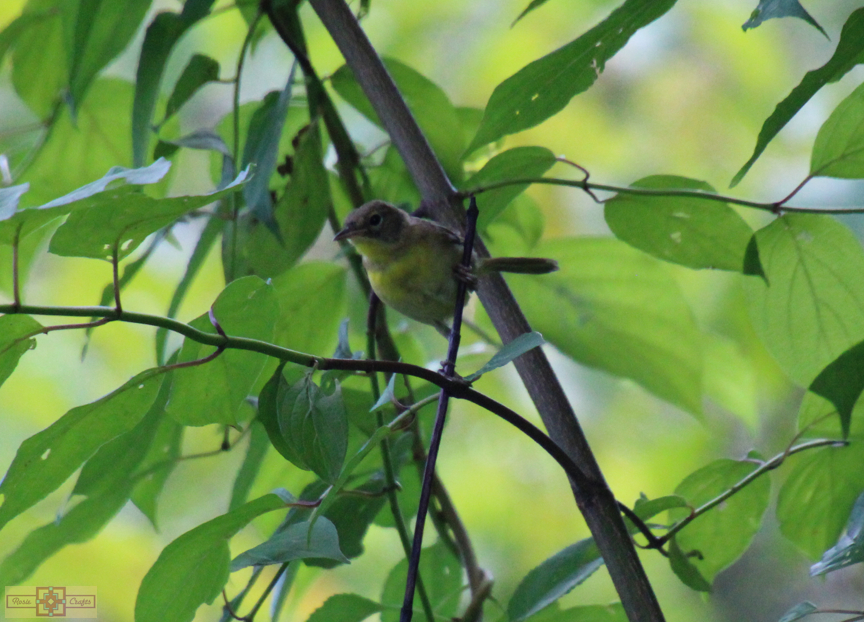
(686, 96)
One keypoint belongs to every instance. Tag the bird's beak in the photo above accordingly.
(346, 233)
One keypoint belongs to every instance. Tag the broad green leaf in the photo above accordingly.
(542, 88)
(96, 139)
(314, 426)
(841, 383)
(261, 149)
(805, 310)
(391, 181)
(300, 214)
(554, 578)
(47, 459)
(122, 219)
(200, 70)
(442, 576)
(16, 338)
(114, 463)
(649, 508)
(685, 569)
(847, 55)
(723, 533)
(770, 9)
(799, 611)
(509, 351)
(102, 29)
(839, 147)
(697, 233)
(193, 569)
(14, 29)
(818, 495)
(345, 608)
(161, 36)
(615, 308)
(40, 55)
(295, 542)
(849, 549)
(24, 222)
(352, 515)
(255, 452)
(516, 163)
(215, 391)
(158, 464)
(78, 525)
(429, 104)
(313, 300)
(268, 415)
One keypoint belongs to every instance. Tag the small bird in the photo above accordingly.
(413, 263)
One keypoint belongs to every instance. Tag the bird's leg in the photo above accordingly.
(465, 275)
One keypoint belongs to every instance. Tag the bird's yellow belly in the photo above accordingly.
(415, 286)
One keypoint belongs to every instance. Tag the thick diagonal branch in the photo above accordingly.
(596, 501)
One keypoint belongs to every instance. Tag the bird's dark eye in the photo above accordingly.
(375, 220)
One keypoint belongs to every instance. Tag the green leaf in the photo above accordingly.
(313, 300)
(770, 9)
(295, 542)
(161, 36)
(442, 576)
(847, 55)
(300, 214)
(544, 87)
(841, 383)
(200, 70)
(516, 163)
(16, 333)
(534, 4)
(685, 570)
(839, 147)
(203, 139)
(102, 29)
(352, 515)
(508, 352)
(47, 459)
(387, 395)
(122, 219)
(314, 426)
(193, 569)
(269, 418)
(78, 525)
(255, 452)
(96, 139)
(40, 55)
(723, 533)
(697, 233)
(159, 463)
(345, 608)
(817, 497)
(428, 102)
(617, 309)
(215, 391)
(14, 29)
(801, 610)
(849, 549)
(554, 578)
(805, 310)
(261, 149)
(648, 508)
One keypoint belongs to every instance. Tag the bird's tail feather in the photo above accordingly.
(518, 265)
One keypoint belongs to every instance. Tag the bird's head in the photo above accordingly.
(374, 224)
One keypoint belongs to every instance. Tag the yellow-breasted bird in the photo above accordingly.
(413, 263)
